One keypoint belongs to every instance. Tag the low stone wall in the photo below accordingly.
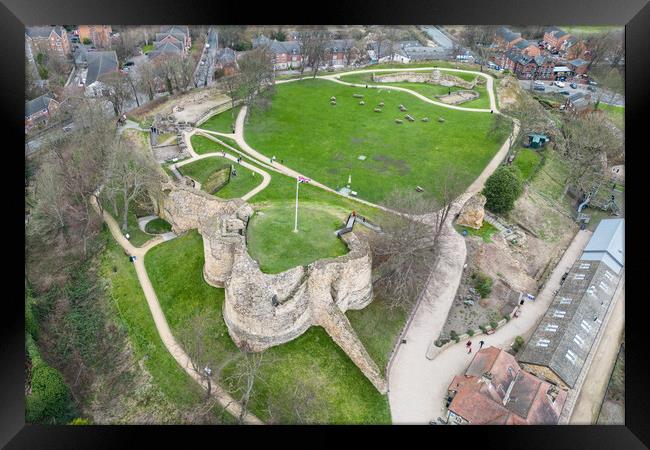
(434, 77)
(458, 97)
(262, 310)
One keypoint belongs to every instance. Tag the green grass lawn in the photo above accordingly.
(158, 226)
(428, 90)
(344, 395)
(202, 145)
(272, 242)
(527, 161)
(147, 48)
(378, 327)
(616, 114)
(222, 122)
(485, 232)
(590, 29)
(135, 316)
(324, 141)
(238, 185)
(550, 179)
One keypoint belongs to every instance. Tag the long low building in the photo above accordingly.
(561, 344)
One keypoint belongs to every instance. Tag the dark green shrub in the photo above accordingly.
(454, 336)
(79, 421)
(470, 332)
(49, 398)
(507, 317)
(494, 325)
(483, 328)
(502, 188)
(519, 342)
(86, 41)
(483, 284)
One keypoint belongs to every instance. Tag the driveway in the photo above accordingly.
(608, 97)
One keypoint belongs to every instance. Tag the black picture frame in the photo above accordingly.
(634, 14)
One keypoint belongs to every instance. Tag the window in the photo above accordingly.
(585, 325)
(604, 286)
(559, 314)
(578, 340)
(543, 342)
(608, 275)
(572, 357)
(579, 276)
(591, 290)
(551, 327)
(565, 300)
(585, 265)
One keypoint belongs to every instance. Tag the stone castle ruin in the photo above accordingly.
(262, 310)
(436, 77)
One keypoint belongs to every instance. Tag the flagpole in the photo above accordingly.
(295, 227)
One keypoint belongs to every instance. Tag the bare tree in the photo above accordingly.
(231, 87)
(479, 39)
(314, 44)
(379, 37)
(130, 173)
(256, 75)
(587, 143)
(304, 405)
(118, 90)
(243, 378)
(146, 78)
(408, 248)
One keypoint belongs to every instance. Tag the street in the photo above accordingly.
(205, 67)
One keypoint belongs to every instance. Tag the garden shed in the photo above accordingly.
(536, 140)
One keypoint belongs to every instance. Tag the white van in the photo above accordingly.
(559, 84)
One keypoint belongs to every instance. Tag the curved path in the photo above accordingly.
(224, 399)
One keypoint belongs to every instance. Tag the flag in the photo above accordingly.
(302, 179)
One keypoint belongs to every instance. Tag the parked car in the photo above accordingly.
(559, 84)
(593, 83)
(537, 87)
(565, 93)
(573, 86)
(591, 88)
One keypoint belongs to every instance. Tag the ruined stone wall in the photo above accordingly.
(262, 310)
(434, 77)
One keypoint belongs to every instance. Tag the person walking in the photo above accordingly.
(481, 344)
(469, 347)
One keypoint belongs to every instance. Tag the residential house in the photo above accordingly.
(576, 48)
(528, 48)
(99, 35)
(578, 104)
(578, 66)
(48, 38)
(560, 72)
(39, 110)
(174, 40)
(495, 390)
(506, 38)
(286, 55)
(562, 343)
(226, 60)
(100, 64)
(421, 53)
(385, 52)
(338, 51)
(556, 38)
(527, 67)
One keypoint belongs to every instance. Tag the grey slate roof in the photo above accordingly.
(100, 63)
(607, 244)
(507, 34)
(564, 338)
(422, 53)
(180, 37)
(277, 47)
(36, 105)
(226, 55)
(176, 29)
(573, 97)
(578, 62)
(44, 31)
(523, 44)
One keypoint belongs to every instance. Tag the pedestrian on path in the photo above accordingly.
(481, 344)
(469, 347)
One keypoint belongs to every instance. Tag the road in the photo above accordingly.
(608, 97)
(438, 37)
(205, 72)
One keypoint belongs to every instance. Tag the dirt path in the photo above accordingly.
(418, 385)
(224, 399)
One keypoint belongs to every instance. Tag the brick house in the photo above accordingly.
(39, 110)
(337, 52)
(556, 38)
(527, 48)
(173, 40)
(527, 67)
(100, 35)
(578, 104)
(226, 60)
(48, 38)
(578, 66)
(495, 390)
(286, 55)
(506, 39)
